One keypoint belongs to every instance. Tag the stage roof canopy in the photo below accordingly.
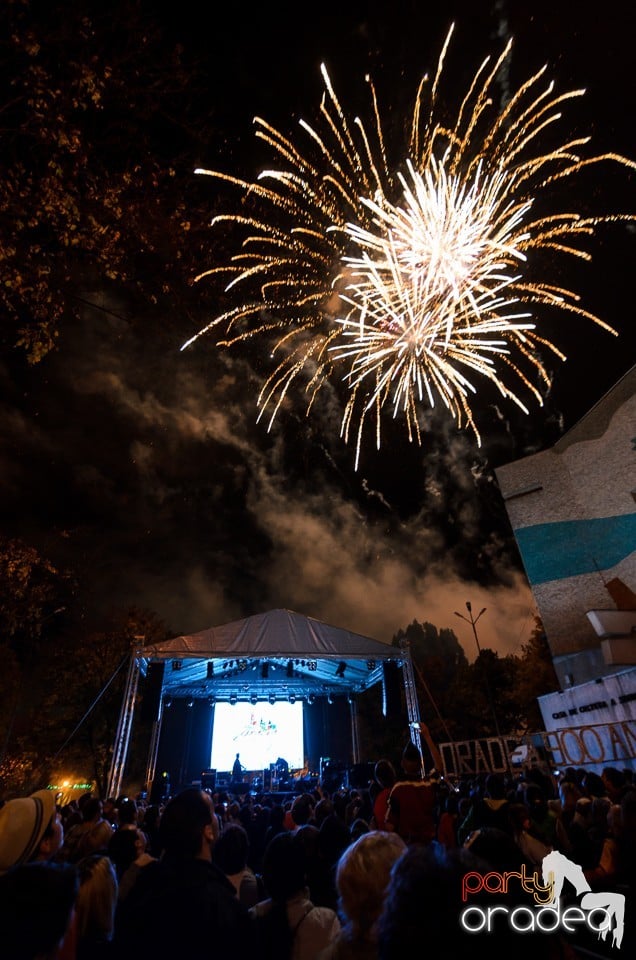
(276, 654)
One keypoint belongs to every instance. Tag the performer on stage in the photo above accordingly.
(237, 769)
(282, 768)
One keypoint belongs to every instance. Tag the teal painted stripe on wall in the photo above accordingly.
(557, 551)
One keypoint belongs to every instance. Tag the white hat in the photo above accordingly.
(23, 823)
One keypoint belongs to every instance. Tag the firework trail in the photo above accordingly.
(408, 282)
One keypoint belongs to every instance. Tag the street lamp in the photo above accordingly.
(472, 622)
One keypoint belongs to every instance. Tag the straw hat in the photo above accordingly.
(23, 823)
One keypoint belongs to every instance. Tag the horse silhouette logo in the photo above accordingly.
(556, 869)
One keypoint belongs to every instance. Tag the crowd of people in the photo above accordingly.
(355, 874)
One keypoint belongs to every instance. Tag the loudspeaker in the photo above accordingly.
(152, 692)
(208, 780)
(391, 688)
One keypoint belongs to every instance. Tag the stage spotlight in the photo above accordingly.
(167, 702)
(233, 699)
(264, 670)
(292, 698)
(272, 698)
(254, 699)
(311, 699)
(190, 703)
(176, 664)
(210, 669)
(211, 701)
(370, 665)
(330, 699)
(340, 671)
(290, 668)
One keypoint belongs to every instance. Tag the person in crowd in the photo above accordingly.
(354, 807)
(256, 835)
(333, 840)
(412, 801)
(533, 847)
(569, 792)
(546, 820)
(123, 846)
(583, 849)
(150, 826)
(95, 907)
(74, 811)
(92, 835)
(122, 850)
(302, 811)
(182, 904)
(37, 911)
(602, 874)
(500, 851)
(320, 880)
(362, 878)
(593, 784)
(614, 782)
(423, 894)
(128, 814)
(110, 812)
(276, 823)
(289, 925)
(358, 828)
(597, 829)
(489, 809)
(448, 819)
(323, 809)
(385, 776)
(30, 830)
(230, 854)
(132, 861)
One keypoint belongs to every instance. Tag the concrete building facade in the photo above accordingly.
(573, 513)
(572, 509)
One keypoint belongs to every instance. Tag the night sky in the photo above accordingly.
(143, 467)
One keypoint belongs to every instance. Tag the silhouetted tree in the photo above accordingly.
(99, 143)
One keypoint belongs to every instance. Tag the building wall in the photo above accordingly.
(573, 512)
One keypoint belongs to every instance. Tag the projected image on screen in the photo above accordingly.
(260, 733)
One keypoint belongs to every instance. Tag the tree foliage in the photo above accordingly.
(67, 728)
(493, 695)
(95, 166)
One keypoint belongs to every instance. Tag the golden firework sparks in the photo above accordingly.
(411, 282)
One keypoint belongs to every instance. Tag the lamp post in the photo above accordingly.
(473, 621)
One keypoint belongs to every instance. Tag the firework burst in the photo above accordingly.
(410, 282)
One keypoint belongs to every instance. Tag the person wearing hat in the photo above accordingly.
(412, 801)
(30, 829)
